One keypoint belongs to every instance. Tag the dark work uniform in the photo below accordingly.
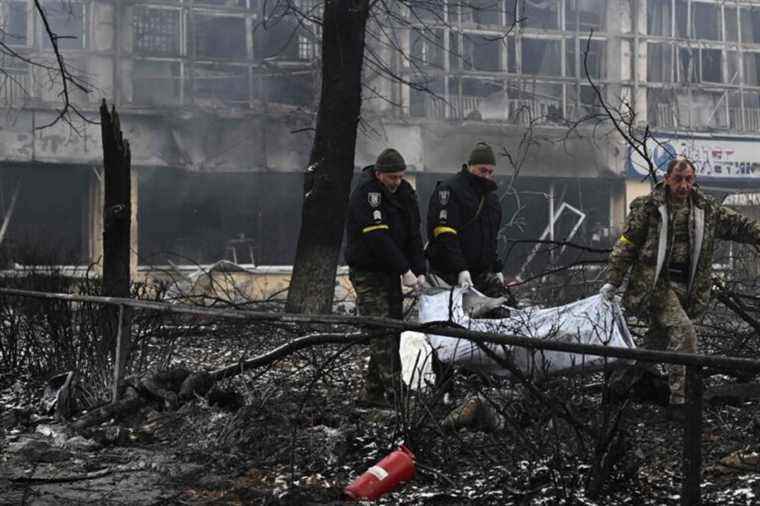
(383, 242)
(463, 223)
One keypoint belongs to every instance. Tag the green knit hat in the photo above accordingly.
(390, 160)
(482, 154)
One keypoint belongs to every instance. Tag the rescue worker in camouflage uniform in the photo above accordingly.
(384, 251)
(464, 216)
(668, 246)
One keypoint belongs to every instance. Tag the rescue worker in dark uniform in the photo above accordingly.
(463, 222)
(384, 251)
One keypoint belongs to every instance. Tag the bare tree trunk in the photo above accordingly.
(327, 181)
(116, 236)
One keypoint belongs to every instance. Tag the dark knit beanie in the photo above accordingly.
(390, 160)
(482, 154)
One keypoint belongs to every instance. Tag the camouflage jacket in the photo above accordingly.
(646, 244)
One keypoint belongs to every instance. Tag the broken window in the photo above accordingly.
(588, 99)
(467, 94)
(733, 63)
(225, 3)
(287, 35)
(156, 31)
(455, 50)
(482, 52)
(541, 57)
(14, 80)
(511, 55)
(706, 22)
(688, 65)
(708, 109)
(307, 47)
(190, 217)
(35, 234)
(752, 111)
(227, 83)
(734, 110)
(732, 25)
(486, 12)
(534, 102)
(540, 14)
(426, 10)
(595, 60)
(711, 65)
(13, 31)
(750, 24)
(662, 108)
(512, 7)
(156, 83)
(296, 87)
(426, 47)
(752, 69)
(219, 37)
(585, 15)
(659, 17)
(67, 21)
(309, 36)
(277, 39)
(682, 17)
(659, 62)
(426, 98)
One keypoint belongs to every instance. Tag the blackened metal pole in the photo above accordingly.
(692, 439)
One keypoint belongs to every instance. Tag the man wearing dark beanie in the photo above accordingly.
(384, 251)
(463, 222)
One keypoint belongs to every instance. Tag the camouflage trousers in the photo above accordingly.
(379, 294)
(671, 329)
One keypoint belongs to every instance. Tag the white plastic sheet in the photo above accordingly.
(587, 321)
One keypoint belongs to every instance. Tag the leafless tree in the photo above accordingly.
(359, 39)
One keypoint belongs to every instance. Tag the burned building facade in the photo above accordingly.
(218, 98)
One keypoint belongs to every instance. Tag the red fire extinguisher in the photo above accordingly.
(384, 476)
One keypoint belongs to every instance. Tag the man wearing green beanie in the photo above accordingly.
(384, 251)
(463, 223)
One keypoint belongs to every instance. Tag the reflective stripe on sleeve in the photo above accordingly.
(443, 230)
(625, 240)
(375, 227)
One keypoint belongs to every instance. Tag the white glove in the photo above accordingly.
(608, 292)
(421, 283)
(409, 279)
(464, 280)
(500, 277)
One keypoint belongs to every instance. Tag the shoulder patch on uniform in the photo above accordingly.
(443, 215)
(374, 199)
(377, 215)
(443, 196)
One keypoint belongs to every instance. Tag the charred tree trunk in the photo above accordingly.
(116, 237)
(327, 181)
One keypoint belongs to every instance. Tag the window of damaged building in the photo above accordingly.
(218, 53)
(195, 217)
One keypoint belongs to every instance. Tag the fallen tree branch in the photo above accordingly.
(734, 304)
(103, 413)
(735, 393)
(64, 479)
(291, 347)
